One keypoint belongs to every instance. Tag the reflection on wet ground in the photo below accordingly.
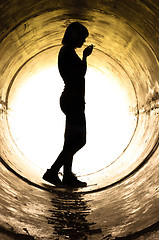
(127, 31)
(31, 213)
(68, 216)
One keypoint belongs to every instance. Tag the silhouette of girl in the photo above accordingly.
(72, 102)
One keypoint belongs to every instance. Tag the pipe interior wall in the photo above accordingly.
(123, 196)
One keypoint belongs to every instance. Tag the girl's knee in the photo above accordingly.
(81, 143)
(84, 142)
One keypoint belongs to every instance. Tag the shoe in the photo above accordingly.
(72, 181)
(52, 177)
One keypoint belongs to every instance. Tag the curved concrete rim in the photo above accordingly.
(121, 199)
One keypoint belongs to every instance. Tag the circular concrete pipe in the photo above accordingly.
(122, 88)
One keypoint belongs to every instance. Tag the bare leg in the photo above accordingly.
(64, 159)
(75, 139)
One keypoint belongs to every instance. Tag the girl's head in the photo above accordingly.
(75, 35)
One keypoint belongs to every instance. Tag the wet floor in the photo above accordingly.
(28, 212)
(31, 213)
(121, 201)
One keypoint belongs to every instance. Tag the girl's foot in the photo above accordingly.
(52, 177)
(72, 181)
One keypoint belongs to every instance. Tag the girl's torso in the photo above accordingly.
(72, 69)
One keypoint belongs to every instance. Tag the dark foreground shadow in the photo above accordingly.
(68, 217)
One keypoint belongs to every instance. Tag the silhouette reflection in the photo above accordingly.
(68, 216)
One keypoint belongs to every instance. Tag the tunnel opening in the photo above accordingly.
(125, 35)
(37, 126)
(123, 63)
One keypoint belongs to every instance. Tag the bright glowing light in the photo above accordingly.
(109, 123)
(35, 120)
(37, 123)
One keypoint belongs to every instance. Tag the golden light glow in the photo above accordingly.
(110, 125)
(37, 123)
